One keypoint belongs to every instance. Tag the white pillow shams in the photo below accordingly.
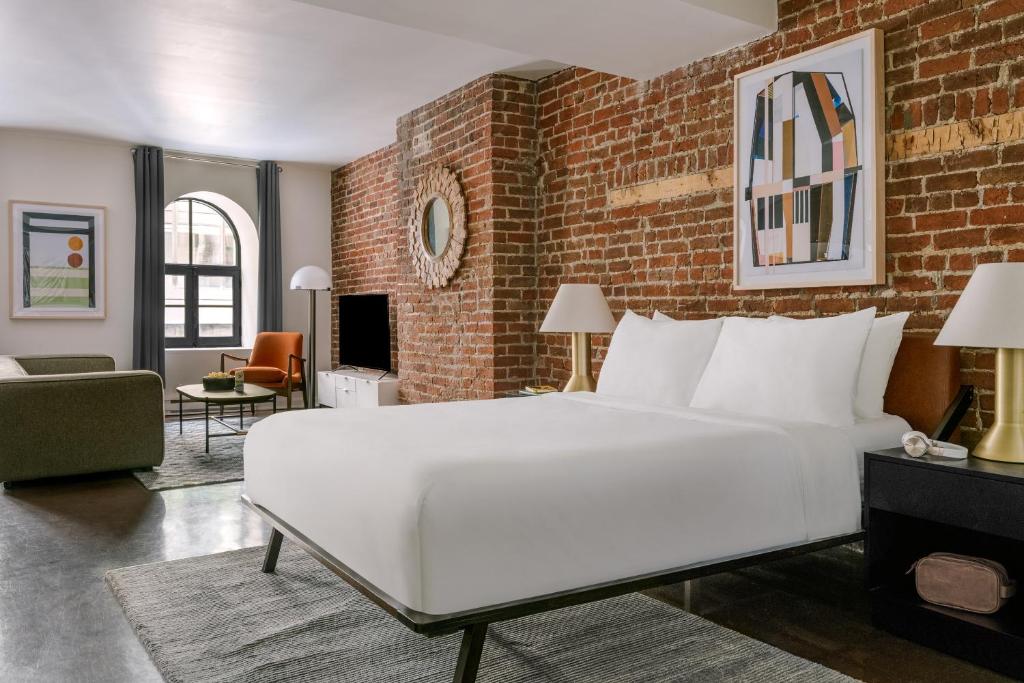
(794, 370)
(876, 365)
(657, 362)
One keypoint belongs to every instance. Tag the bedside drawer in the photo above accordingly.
(970, 502)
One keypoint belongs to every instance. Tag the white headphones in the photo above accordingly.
(917, 445)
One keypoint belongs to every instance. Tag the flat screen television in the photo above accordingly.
(364, 331)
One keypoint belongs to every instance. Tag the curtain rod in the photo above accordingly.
(184, 156)
(205, 160)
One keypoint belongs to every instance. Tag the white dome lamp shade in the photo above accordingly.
(312, 279)
(990, 314)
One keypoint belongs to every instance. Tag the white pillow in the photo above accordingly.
(657, 362)
(876, 365)
(794, 370)
(661, 317)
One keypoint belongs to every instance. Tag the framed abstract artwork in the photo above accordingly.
(809, 169)
(58, 260)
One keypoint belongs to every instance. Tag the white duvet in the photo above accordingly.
(455, 506)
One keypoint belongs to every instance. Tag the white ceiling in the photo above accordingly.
(318, 80)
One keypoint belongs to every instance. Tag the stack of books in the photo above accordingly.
(537, 390)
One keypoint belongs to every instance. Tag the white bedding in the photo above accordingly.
(454, 506)
(876, 433)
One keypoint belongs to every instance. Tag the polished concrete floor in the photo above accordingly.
(58, 621)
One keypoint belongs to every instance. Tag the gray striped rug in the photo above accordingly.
(218, 618)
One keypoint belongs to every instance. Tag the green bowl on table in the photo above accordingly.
(218, 383)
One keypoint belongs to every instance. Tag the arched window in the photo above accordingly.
(202, 276)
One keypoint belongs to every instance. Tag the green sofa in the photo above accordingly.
(64, 415)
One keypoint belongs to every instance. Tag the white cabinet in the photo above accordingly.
(357, 389)
(325, 388)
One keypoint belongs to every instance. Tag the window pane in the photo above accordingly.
(176, 232)
(213, 241)
(216, 321)
(174, 290)
(174, 322)
(216, 290)
(174, 300)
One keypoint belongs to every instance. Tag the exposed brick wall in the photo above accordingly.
(945, 61)
(472, 338)
(366, 238)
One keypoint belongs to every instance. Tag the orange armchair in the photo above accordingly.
(276, 363)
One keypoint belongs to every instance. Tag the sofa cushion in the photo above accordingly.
(10, 368)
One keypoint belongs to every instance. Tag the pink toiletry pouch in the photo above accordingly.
(973, 584)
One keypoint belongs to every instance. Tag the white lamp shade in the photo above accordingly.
(990, 312)
(578, 308)
(311, 277)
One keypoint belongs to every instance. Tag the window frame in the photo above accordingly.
(192, 272)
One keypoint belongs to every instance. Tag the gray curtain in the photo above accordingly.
(148, 327)
(268, 316)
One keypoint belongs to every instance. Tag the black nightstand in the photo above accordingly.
(913, 507)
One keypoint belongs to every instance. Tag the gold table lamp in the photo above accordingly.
(582, 310)
(990, 314)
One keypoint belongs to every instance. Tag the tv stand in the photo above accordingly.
(348, 387)
(342, 368)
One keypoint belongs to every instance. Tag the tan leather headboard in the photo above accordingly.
(924, 381)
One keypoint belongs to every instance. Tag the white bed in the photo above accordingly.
(457, 506)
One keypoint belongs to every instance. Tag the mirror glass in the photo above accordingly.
(437, 227)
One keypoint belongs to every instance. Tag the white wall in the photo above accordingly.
(70, 170)
(182, 176)
(306, 240)
(61, 168)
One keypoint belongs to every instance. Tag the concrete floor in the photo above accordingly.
(59, 622)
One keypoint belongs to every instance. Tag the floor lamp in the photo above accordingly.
(312, 279)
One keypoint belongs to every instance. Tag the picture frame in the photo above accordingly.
(57, 261)
(809, 168)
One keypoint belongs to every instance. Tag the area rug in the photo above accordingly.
(187, 464)
(219, 618)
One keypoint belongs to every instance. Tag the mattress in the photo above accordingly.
(875, 434)
(454, 506)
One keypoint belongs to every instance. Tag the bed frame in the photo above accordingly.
(923, 374)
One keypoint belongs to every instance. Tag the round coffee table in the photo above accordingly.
(250, 395)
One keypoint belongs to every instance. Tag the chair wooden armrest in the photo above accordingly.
(302, 378)
(302, 367)
(228, 355)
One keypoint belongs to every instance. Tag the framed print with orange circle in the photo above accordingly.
(58, 260)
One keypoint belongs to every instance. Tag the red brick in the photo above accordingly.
(944, 65)
(998, 215)
(950, 23)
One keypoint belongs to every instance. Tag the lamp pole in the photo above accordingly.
(311, 381)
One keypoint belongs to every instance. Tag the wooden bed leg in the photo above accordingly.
(273, 550)
(469, 653)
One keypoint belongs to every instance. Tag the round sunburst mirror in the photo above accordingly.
(437, 227)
